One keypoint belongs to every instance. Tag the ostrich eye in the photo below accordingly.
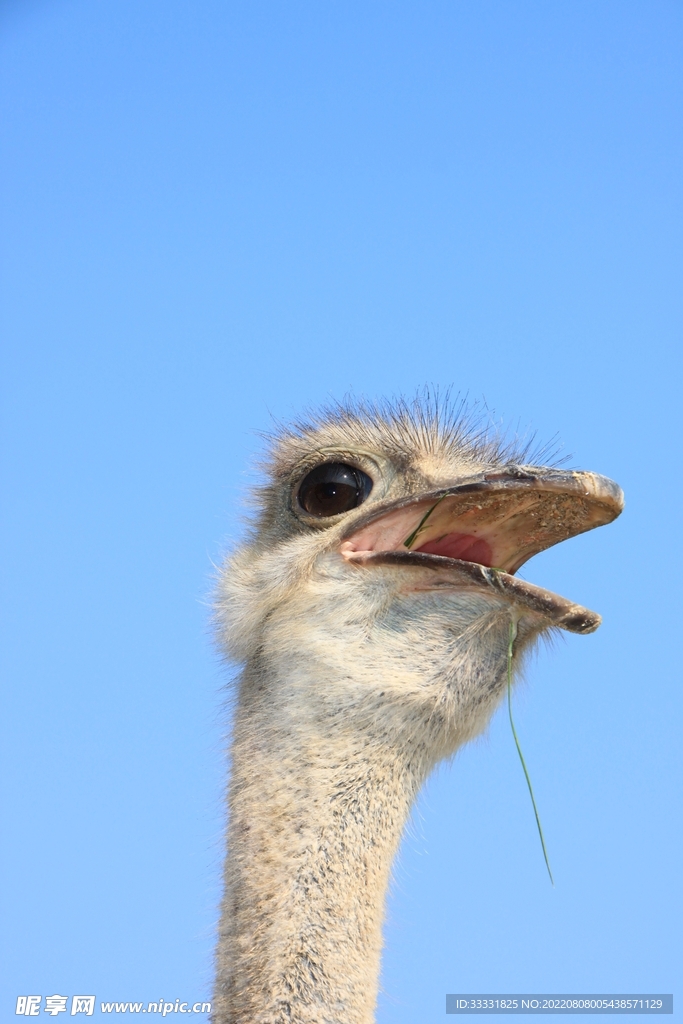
(332, 488)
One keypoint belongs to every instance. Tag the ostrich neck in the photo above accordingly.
(319, 798)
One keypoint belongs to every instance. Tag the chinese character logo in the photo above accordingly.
(83, 1004)
(55, 1005)
(28, 1006)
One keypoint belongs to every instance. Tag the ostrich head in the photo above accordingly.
(371, 607)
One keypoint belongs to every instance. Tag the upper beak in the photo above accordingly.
(480, 531)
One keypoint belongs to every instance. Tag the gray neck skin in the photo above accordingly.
(314, 827)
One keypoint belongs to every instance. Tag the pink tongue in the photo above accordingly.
(460, 545)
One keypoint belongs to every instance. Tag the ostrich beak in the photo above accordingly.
(477, 534)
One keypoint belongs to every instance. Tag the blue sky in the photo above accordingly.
(217, 214)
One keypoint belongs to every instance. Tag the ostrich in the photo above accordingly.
(372, 608)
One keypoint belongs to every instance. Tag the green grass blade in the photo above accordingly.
(411, 539)
(513, 634)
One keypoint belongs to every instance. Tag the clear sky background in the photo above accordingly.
(217, 213)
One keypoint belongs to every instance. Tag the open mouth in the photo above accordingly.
(478, 533)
